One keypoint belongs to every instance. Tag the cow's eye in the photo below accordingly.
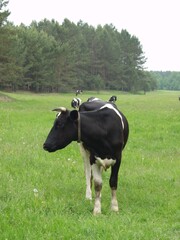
(59, 125)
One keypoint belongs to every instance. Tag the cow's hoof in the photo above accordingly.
(115, 209)
(96, 212)
(97, 207)
(88, 197)
(114, 206)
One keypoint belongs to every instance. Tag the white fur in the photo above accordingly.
(97, 175)
(105, 163)
(108, 105)
(88, 172)
(93, 99)
(114, 202)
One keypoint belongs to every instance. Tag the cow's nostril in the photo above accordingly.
(45, 146)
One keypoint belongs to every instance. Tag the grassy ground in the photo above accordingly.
(148, 191)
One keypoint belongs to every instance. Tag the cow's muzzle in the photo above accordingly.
(48, 147)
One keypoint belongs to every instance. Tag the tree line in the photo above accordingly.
(167, 80)
(50, 57)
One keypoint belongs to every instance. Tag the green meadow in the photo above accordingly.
(42, 195)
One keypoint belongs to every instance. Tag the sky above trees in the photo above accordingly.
(155, 23)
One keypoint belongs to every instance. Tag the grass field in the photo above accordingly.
(148, 191)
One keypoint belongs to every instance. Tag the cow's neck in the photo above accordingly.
(85, 127)
(79, 128)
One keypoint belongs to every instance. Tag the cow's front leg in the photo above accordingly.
(88, 174)
(97, 175)
(87, 170)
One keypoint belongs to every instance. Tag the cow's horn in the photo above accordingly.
(60, 109)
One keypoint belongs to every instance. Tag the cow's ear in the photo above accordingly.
(74, 115)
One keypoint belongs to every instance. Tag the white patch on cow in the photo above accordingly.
(116, 111)
(93, 99)
(97, 175)
(87, 170)
(97, 206)
(105, 163)
(76, 102)
(79, 101)
(114, 202)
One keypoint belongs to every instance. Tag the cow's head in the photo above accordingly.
(64, 130)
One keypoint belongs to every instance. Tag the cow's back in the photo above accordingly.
(96, 104)
(93, 105)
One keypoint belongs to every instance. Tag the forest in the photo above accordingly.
(47, 56)
(167, 80)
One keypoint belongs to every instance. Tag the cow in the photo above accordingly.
(102, 131)
(113, 99)
(75, 103)
(78, 91)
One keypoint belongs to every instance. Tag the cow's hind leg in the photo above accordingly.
(113, 184)
(114, 202)
(97, 175)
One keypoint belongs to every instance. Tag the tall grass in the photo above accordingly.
(148, 191)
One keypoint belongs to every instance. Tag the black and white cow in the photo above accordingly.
(113, 99)
(102, 131)
(78, 91)
(75, 103)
